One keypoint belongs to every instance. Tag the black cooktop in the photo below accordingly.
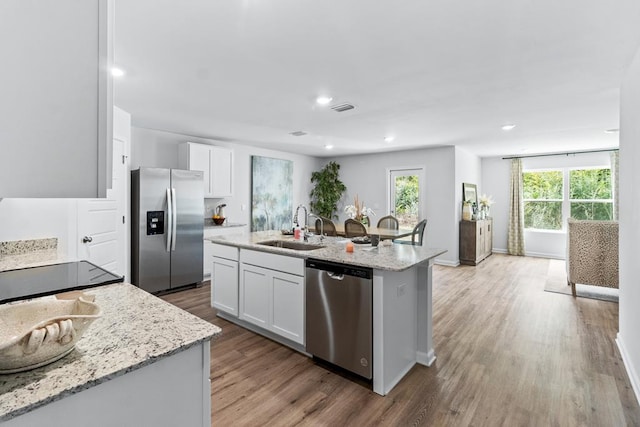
(52, 279)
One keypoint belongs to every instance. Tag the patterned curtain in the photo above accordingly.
(515, 244)
(615, 161)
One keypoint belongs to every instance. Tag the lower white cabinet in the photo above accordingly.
(208, 246)
(270, 298)
(224, 278)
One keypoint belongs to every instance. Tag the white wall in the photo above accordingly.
(629, 315)
(154, 148)
(495, 177)
(468, 169)
(366, 176)
(26, 219)
(495, 183)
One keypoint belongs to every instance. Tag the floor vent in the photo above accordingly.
(342, 107)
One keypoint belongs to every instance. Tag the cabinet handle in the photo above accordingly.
(87, 239)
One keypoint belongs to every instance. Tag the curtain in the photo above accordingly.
(615, 161)
(515, 244)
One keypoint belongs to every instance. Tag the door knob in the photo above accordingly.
(87, 239)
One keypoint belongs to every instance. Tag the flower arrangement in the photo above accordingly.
(485, 201)
(358, 210)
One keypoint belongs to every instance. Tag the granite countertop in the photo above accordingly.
(31, 259)
(395, 257)
(136, 329)
(208, 223)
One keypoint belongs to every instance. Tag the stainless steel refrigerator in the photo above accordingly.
(167, 207)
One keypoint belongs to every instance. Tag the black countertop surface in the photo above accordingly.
(50, 279)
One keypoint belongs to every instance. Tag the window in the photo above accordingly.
(551, 196)
(543, 199)
(590, 194)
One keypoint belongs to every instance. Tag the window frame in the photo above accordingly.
(566, 201)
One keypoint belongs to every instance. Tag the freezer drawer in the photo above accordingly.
(339, 317)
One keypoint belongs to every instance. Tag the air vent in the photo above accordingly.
(342, 107)
(298, 133)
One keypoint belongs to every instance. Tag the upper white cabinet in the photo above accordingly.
(215, 162)
(56, 104)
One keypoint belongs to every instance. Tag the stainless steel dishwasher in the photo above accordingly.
(339, 317)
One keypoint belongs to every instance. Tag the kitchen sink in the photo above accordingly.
(287, 244)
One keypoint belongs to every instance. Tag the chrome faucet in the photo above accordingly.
(321, 224)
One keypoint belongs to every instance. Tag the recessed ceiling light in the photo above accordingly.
(389, 138)
(323, 100)
(612, 131)
(328, 147)
(117, 72)
(508, 126)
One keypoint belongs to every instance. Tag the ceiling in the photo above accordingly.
(429, 73)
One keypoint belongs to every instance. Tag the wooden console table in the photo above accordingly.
(476, 240)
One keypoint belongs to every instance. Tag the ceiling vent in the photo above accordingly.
(298, 133)
(342, 107)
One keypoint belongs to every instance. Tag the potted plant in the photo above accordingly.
(328, 190)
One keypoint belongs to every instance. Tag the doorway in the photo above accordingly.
(405, 195)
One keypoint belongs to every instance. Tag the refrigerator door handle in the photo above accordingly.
(174, 220)
(169, 220)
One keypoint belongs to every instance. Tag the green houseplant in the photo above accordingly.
(328, 190)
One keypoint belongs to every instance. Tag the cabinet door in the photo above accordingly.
(224, 285)
(255, 291)
(221, 172)
(488, 239)
(480, 238)
(200, 160)
(288, 303)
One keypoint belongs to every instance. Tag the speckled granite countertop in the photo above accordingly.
(136, 328)
(208, 223)
(29, 253)
(396, 257)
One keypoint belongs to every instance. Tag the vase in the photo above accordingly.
(466, 212)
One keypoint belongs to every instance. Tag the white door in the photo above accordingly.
(405, 196)
(101, 229)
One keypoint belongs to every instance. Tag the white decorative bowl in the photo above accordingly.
(38, 332)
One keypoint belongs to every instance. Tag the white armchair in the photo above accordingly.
(592, 253)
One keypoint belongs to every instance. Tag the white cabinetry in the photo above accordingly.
(208, 246)
(272, 293)
(224, 278)
(56, 104)
(143, 397)
(215, 162)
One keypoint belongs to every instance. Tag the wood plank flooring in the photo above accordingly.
(508, 353)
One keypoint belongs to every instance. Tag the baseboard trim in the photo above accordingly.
(499, 251)
(426, 359)
(544, 255)
(446, 263)
(631, 372)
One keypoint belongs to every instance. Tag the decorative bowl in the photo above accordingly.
(219, 220)
(38, 332)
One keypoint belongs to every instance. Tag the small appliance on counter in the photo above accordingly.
(52, 279)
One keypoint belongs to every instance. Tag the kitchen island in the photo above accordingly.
(402, 301)
(143, 362)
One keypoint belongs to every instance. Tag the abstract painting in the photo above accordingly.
(271, 193)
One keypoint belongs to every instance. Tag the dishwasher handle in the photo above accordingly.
(335, 276)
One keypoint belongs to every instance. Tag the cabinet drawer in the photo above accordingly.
(271, 261)
(224, 251)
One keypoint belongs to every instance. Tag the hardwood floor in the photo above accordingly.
(508, 353)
